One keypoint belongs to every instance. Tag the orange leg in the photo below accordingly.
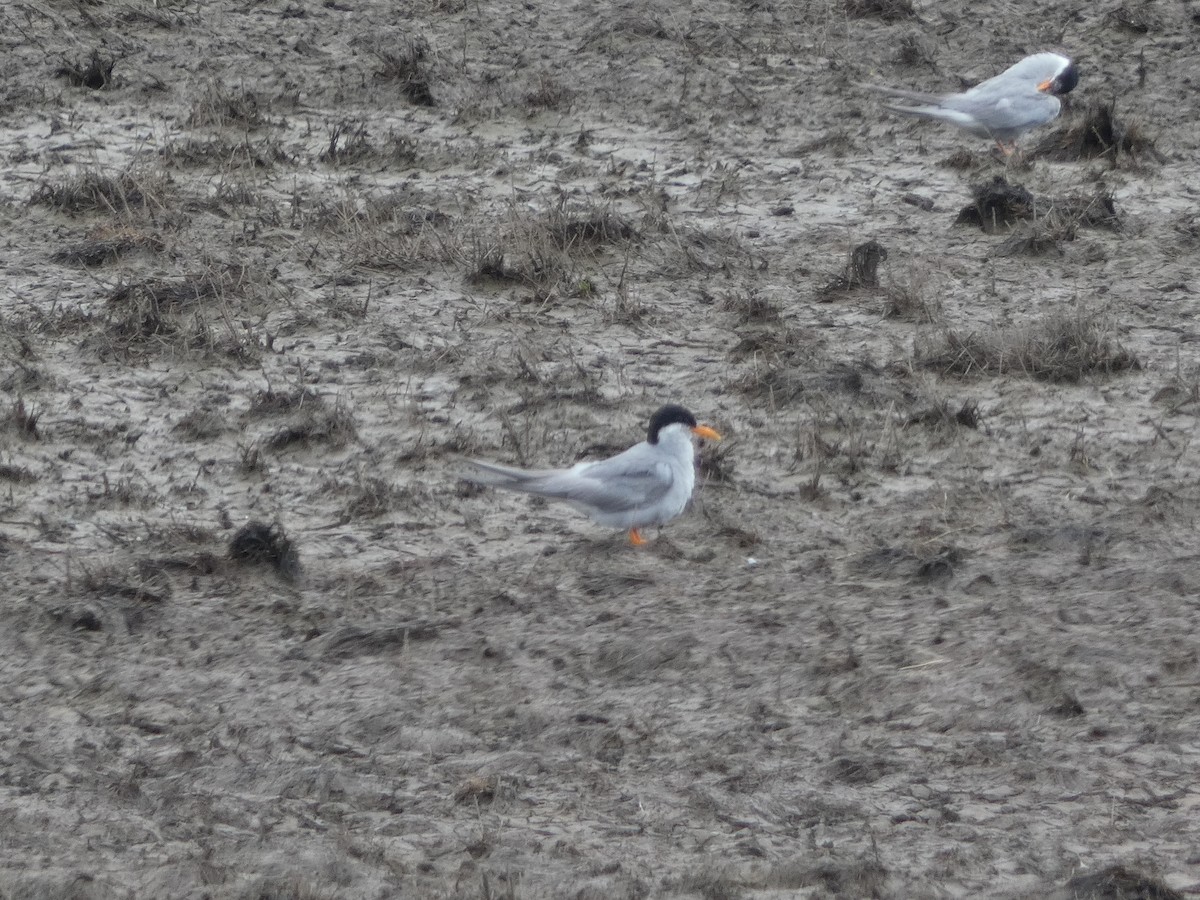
(635, 537)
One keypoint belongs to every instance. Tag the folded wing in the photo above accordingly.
(615, 485)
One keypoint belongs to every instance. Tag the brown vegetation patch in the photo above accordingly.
(750, 308)
(1042, 225)
(1097, 134)
(598, 227)
(93, 191)
(317, 423)
(545, 252)
(221, 151)
(409, 67)
(107, 245)
(175, 313)
(1062, 347)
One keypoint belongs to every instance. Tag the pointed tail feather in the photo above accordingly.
(920, 98)
(508, 477)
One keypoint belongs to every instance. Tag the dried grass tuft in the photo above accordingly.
(545, 252)
(94, 191)
(1062, 347)
(221, 105)
(316, 423)
(408, 66)
(861, 271)
(24, 419)
(1043, 225)
(95, 72)
(751, 308)
(106, 245)
(1098, 134)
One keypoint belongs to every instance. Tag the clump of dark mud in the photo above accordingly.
(997, 204)
(862, 271)
(258, 543)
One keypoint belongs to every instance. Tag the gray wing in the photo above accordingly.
(992, 108)
(1007, 113)
(628, 481)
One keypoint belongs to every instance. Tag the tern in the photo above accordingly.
(1003, 108)
(648, 484)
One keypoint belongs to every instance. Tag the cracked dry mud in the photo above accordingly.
(930, 626)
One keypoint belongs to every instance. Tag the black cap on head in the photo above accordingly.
(1066, 80)
(671, 414)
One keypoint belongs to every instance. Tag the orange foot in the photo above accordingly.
(635, 537)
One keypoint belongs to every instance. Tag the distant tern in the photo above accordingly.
(648, 484)
(1003, 108)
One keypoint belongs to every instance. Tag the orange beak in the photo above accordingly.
(1046, 85)
(705, 432)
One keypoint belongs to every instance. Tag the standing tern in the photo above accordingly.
(1003, 108)
(648, 484)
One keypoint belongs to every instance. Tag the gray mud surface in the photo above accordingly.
(930, 628)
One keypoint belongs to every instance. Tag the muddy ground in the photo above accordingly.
(930, 626)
